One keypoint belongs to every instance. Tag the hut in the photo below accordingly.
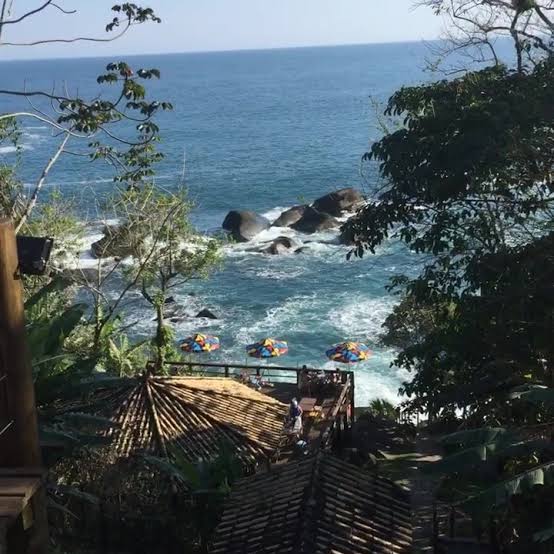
(193, 415)
(316, 505)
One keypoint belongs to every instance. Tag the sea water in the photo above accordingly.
(263, 131)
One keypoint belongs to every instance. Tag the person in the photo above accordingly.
(295, 416)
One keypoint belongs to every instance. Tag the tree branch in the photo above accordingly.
(25, 16)
(70, 40)
(38, 187)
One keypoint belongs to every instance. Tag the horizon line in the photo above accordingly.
(230, 50)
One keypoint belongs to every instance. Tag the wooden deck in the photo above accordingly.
(326, 398)
(17, 488)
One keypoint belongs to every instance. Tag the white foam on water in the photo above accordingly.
(375, 385)
(12, 149)
(277, 274)
(375, 378)
(274, 213)
(295, 314)
(33, 136)
(360, 319)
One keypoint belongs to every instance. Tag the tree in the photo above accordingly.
(504, 479)
(85, 122)
(169, 254)
(207, 483)
(468, 186)
(476, 30)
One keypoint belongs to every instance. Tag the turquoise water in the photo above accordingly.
(262, 130)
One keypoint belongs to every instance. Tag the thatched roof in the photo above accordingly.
(317, 505)
(194, 415)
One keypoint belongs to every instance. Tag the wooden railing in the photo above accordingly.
(284, 373)
(276, 375)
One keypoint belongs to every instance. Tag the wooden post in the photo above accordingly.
(24, 448)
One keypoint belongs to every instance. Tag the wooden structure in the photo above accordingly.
(194, 415)
(23, 527)
(317, 505)
(326, 396)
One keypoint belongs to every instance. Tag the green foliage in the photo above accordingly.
(55, 218)
(468, 185)
(167, 251)
(492, 471)
(124, 358)
(382, 408)
(207, 482)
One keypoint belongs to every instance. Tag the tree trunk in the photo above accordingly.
(160, 346)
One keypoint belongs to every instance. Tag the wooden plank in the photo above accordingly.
(19, 486)
(11, 506)
(31, 471)
(24, 447)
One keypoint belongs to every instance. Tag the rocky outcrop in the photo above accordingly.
(244, 225)
(207, 314)
(313, 221)
(281, 245)
(116, 243)
(339, 201)
(290, 216)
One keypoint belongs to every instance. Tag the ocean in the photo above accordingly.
(263, 131)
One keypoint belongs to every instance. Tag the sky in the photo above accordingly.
(212, 25)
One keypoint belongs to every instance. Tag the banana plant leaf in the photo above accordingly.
(481, 504)
(474, 437)
(99, 381)
(57, 284)
(75, 493)
(61, 327)
(467, 460)
(78, 419)
(185, 472)
(51, 504)
(65, 438)
(69, 438)
(535, 394)
(544, 535)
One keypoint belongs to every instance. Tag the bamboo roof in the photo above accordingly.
(318, 505)
(194, 415)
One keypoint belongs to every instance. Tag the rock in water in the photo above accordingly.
(343, 200)
(313, 221)
(116, 243)
(281, 245)
(244, 225)
(290, 216)
(207, 314)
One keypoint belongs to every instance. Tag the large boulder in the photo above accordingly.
(244, 225)
(313, 221)
(339, 201)
(208, 314)
(281, 245)
(116, 243)
(290, 216)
